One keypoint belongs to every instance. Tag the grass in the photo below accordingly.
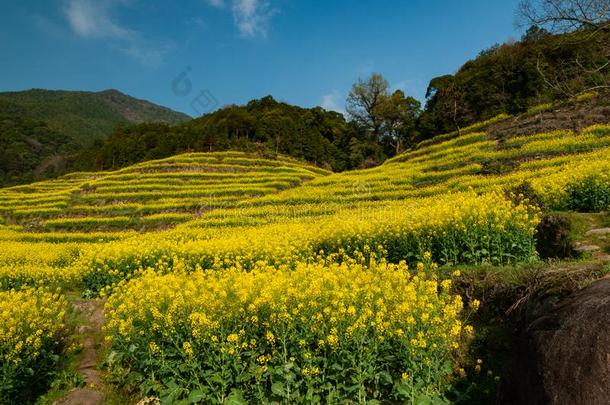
(507, 287)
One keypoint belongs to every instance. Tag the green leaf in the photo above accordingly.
(196, 396)
(171, 394)
(245, 376)
(403, 390)
(133, 377)
(236, 397)
(112, 357)
(217, 379)
(278, 389)
(385, 378)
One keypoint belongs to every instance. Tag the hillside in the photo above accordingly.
(149, 195)
(282, 233)
(41, 129)
(82, 115)
(323, 138)
(513, 77)
(325, 230)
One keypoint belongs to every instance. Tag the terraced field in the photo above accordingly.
(146, 236)
(150, 195)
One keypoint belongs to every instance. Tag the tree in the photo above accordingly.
(364, 100)
(534, 33)
(388, 118)
(448, 97)
(560, 16)
(399, 116)
(263, 126)
(589, 17)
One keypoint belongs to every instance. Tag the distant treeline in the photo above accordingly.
(41, 130)
(322, 137)
(508, 78)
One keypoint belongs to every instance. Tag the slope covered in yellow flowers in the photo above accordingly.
(281, 281)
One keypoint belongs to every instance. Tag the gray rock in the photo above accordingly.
(563, 355)
(587, 248)
(598, 232)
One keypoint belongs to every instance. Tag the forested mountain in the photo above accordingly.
(85, 116)
(39, 129)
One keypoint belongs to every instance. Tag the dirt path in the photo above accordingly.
(93, 318)
(596, 239)
(601, 238)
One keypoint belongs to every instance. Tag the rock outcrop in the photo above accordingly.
(563, 354)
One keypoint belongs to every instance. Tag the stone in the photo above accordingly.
(563, 354)
(587, 248)
(598, 232)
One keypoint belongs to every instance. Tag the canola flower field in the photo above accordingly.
(235, 278)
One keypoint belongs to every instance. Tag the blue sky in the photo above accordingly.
(192, 55)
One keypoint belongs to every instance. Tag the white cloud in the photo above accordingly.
(332, 102)
(197, 22)
(251, 17)
(91, 19)
(148, 56)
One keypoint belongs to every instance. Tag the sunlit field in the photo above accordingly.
(229, 276)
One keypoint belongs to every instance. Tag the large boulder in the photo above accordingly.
(563, 355)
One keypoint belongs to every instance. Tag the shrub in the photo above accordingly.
(495, 167)
(591, 194)
(32, 335)
(324, 332)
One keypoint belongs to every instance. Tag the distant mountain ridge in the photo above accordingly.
(40, 129)
(83, 115)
